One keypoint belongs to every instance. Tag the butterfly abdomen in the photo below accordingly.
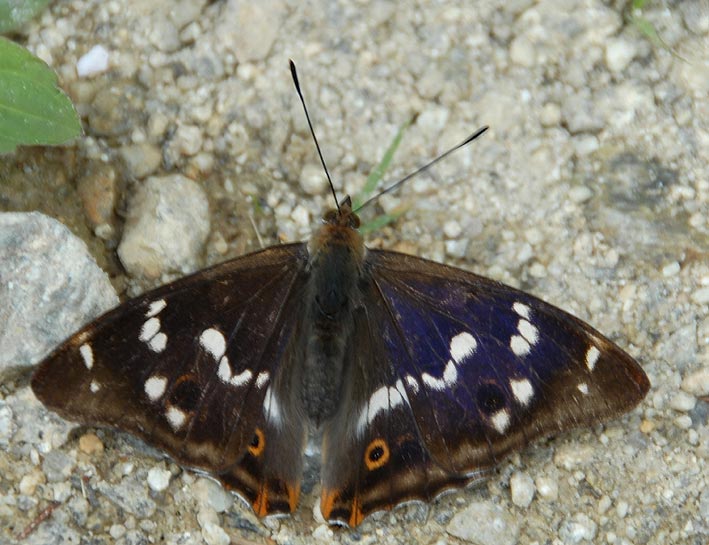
(335, 272)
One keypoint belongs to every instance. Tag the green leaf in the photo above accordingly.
(33, 110)
(15, 13)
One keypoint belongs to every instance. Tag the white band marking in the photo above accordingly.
(592, 356)
(213, 342)
(155, 387)
(87, 355)
(522, 390)
(462, 346)
(155, 308)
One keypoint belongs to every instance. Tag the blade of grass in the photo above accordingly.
(378, 172)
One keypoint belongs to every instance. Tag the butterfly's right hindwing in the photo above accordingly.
(190, 367)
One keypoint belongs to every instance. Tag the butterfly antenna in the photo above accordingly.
(307, 116)
(428, 165)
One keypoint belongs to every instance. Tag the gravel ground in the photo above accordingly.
(590, 190)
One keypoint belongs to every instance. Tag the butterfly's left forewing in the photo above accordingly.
(190, 368)
(469, 370)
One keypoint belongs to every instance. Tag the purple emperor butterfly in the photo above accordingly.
(419, 376)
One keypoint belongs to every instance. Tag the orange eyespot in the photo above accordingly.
(376, 455)
(258, 443)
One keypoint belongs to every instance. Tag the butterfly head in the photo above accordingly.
(339, 228)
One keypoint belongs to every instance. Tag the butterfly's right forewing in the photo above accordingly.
(190, 368)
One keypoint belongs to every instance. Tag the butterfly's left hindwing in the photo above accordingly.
(467, 371)
(190, 367)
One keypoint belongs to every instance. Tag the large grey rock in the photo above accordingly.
(50, 286)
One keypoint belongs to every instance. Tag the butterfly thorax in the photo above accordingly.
(335, 271)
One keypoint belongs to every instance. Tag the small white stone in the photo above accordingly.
(671, 269)
(323, 533)
(313, 179)
(619, 53)
(701, 296)
(604, 504)
(452, 229)
(697, 383)
(547, 488)
(522, 52)
(214, 534)
(683, 422)
(158, 479)
(95, 61)
(683, 402)
(522, 489)
(580, 194)
(621, 509)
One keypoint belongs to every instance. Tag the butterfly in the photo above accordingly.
(420, 377)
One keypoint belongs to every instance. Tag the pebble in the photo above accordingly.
(249, 29)
(682, 401)
(29, 482)
(313, 179)
(57, 465)
(128, 494)
(522, 52)
(580, 194)
(701, 296)
(50, 286)
(484, 523)
(521, 489)
(161, 208)
(89, 443)
(547, 488)
(323, 533)
(697, 382)
(142, 159)
(683, 422)
(99, 194)
(619, 53)
(550, 115)
(117, 531)
(207, 492)
(570, 456)
(452, 229)
(578, 528)
(671, 269)
(187, 140)
(158, 479)
(95, 61)
(212, 532)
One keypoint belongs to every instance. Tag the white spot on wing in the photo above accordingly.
(158, 342)
(155, 308)
(528, 331)
(225, 374)
(501, 420)
(175, 417)
(592, 355)
(583, 388)
(462, 346)
(450, 375)
(383, 399)
(271, 408)
(213, 342)
(94, 386)
(412, 382)
(519, 345)
(149, 329)
(262, 379)
(521, 309)
(522, 390)
(155, 387)
(87, 355)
